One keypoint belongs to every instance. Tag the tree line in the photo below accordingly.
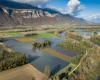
(11, 60)
(38, 45)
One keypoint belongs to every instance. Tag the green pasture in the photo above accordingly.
(45, 35)
(13, 34)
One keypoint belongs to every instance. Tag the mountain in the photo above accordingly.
(17, 5)
(94, 18)
(15, 13)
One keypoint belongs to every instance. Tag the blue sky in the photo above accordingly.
(58, 3)
(92, 7)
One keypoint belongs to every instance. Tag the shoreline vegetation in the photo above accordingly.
(84, 65)
(9, 59)
(43, 44)
(80, 67)
(95, 40)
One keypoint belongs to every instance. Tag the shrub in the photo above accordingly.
(75, 36)
(95, 39)
(11, 60)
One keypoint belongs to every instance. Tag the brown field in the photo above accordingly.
(26, 72)
(57, 54)
(25, 40)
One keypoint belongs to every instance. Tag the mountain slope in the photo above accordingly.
(14, 14)
(94, 18)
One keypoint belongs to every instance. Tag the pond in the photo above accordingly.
(84, 32)
(38, 58)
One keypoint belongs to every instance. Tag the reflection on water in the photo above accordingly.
(48, 60)
(87, 33)
(38, 58)
(84, 33)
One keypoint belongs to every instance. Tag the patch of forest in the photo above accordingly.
(10, 60)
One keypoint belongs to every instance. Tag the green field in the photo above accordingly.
(42, 35)
(46, 35)
(30, 38)
(13, 34)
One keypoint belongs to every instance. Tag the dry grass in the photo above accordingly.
(57, 54)
(25, 40)
(26, 72)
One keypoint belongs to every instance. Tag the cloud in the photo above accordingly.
(63, 11)
(39, 3)
(94, 16)
(74, 7)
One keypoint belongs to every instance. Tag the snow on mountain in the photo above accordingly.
(94, 18)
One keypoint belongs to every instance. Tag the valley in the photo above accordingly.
(39, 41)
(54, 57)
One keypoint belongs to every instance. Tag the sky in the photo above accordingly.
(79, 8)
(90, 7)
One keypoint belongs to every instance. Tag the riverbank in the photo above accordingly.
(85, 65)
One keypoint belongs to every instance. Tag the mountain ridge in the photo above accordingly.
(17, 13)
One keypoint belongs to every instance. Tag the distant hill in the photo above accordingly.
(95, 20)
